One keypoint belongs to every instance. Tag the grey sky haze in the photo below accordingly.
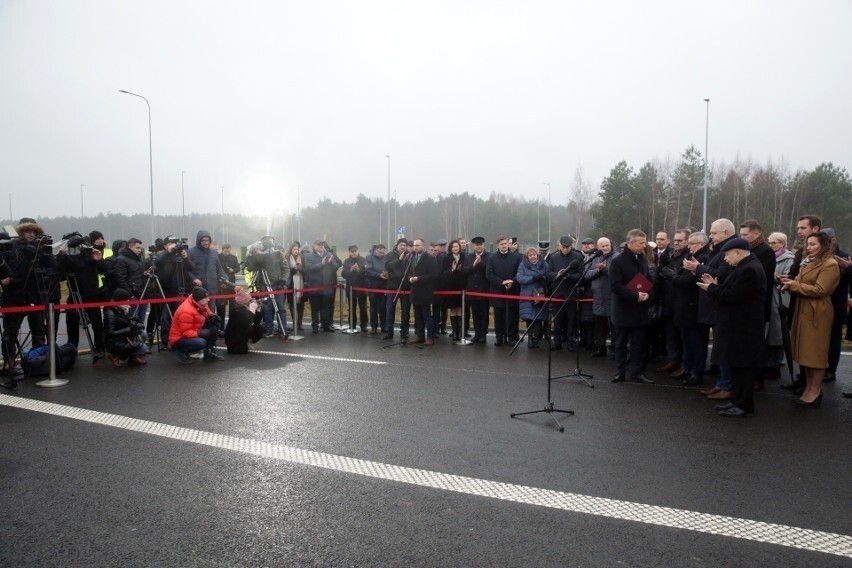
(478, 96)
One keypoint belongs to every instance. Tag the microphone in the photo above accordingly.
(597, 253)
(575, 264)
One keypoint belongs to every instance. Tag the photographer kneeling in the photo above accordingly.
(125, 336)
(245, 325)
(194, 328)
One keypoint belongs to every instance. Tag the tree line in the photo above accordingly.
(661, 195)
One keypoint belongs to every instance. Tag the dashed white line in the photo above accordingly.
(783, 535)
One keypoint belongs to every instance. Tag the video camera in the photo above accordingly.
(182, 243)
(75, 243)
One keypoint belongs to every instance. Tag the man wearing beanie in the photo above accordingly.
(124, 337)
(193, 329)
(245, 324)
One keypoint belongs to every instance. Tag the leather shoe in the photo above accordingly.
(723, 406)
(668, 368)
(619, 378)
(829, 377)
(711, 390)
(642, 378)
(417, 340)
(429, 342)
(387, 336)
(499, 342)
(792, 386)
(721, 395)
(735, 412)
(693, 381)
(680, 373)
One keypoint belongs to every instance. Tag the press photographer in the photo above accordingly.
(271, 272)
(82, 265)
(27, 260)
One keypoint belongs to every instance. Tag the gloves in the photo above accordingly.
(137, 326)
(205, 333)
(667, 273)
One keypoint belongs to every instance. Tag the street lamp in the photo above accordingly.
(182, 206)
(389, 202)
(150, 158)
(549, 204)
(81, 201)
(706, 142)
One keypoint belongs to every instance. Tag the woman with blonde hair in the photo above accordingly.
(819, 275)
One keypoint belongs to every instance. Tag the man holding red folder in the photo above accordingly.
(631, 290)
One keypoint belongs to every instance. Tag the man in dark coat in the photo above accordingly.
(424, 275)
(377, 278)
(397, 265)
(721, 231)
(231, 265)
(321, 268)
(500, 270)
(739, 338)
(245, 326)
(130, 272)
(694, 334)
(630, 307)
(473, 271)
(670, 260)
(566, 270)
(354, 272)
(839, 300)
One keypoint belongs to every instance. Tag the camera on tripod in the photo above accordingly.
(75, 243)
(181, 243)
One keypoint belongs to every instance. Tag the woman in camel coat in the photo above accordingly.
(818, 276)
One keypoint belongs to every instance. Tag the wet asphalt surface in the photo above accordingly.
(82, 494)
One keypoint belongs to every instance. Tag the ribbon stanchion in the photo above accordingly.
(51, 346)
(340, 325)
(462, 339)
(352, 327)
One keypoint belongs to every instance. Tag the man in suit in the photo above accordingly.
(629, 310)
(424, 274)
(739, 337)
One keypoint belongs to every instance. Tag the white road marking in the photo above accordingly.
(321, 357)
(794, 537)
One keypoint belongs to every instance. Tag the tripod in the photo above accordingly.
(266, 286)
(549, 405)
(82, 315)
(403, 340)
(153, 283)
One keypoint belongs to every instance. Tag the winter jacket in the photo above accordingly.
(356, 278)
(573, 265)
(599, 283)
(474, 273)
(208, 269)
(627, 310)
(188, 320)
(128, 270)
(532, 279)
(373, 268)
(426, 271)
(243, 326)
(321, 273)
(121, 334)
(502, 267)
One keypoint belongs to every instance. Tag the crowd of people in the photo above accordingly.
(638, 302)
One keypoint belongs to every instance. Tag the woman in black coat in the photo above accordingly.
(452, 279)
(245, 324)
(124, 337)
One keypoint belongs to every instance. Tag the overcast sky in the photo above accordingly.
(263, 97)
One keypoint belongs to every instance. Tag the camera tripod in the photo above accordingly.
(82, 315)
(153, 283)
(261, 283)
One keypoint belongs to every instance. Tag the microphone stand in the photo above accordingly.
(549, 407)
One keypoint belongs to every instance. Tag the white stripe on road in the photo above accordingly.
(321, 357)
(794, 537)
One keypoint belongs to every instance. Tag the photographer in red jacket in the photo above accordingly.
(194, 328)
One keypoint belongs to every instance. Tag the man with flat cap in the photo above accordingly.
(544, 249)
(566, 270)
(473, 272)
(355, 273)
(738, 337)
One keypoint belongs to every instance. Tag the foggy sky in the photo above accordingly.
(263, 97)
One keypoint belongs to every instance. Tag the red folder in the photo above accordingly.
(640, 283)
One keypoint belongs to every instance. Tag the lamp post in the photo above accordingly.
(389, 201)
(150, 158)
(706, 143)
(549, 204)
(182, 205)
(81, 201)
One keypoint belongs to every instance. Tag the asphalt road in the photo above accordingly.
(332, 451)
